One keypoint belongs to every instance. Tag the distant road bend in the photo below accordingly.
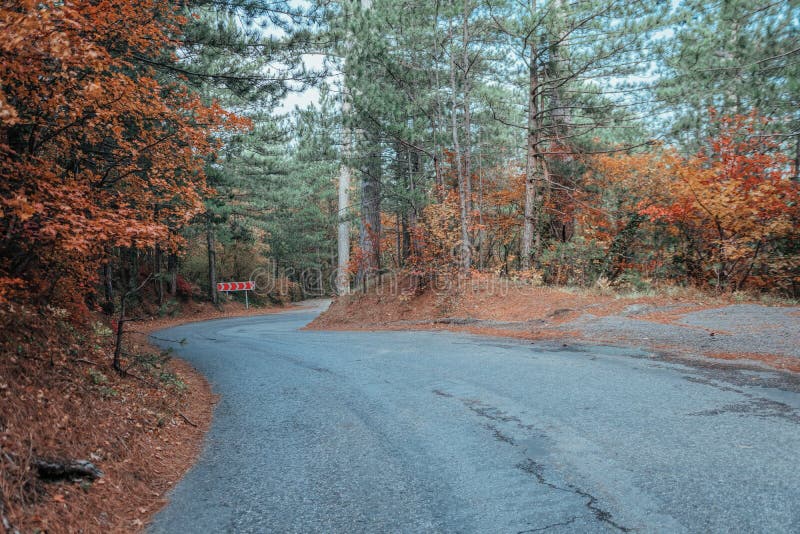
(443, 432)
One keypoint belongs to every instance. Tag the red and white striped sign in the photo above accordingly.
(236, 286)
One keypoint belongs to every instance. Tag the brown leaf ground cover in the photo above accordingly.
(685, 321)
(60, 398)
(487, 300)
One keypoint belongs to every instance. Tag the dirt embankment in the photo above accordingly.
(61, 400)
(686, 322)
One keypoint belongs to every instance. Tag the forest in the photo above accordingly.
(635, 143)
(150, 149)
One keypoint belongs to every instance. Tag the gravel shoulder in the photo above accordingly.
(762, 335)
(748, 330)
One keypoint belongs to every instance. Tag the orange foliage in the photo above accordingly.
(438, 239)
(391, 233)
(620, 186)
(504, 203)
(736, 205)
(95, 150)
(727, 217)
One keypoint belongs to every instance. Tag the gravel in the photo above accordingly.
(740, 328)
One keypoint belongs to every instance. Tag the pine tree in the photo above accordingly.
(734, 56)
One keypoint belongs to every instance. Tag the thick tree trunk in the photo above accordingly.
(370, 235)
(345, 175)
(343, 229)
(537, 175)
(532, 183)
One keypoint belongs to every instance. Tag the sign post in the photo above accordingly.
(238, 286)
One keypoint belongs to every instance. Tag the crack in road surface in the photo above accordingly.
(338, 432)
(548, 527)
(529, 465)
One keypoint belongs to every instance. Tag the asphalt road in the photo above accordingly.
(441, 432)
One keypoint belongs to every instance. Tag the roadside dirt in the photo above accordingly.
(60, 398)
(689, 323)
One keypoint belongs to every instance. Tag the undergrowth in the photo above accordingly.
(60, 398)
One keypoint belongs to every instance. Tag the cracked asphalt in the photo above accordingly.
(445, 432)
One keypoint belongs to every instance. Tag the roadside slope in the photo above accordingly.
(61, 400)
(694, 325)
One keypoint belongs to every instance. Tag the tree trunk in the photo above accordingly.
(410, 220)
(172, 268)
(212, 261)
(400, 228)
(466, 249)
(467, 115)
(133, 278)
(343, 236)
(406, 238)
(439, 121)
(532, 183)
(481, 238)
(558, 110)
(345, 175)
(108, 284)
(370, 234)
(120, 332)
(159, 282)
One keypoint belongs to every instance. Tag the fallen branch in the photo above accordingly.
(187, 419)
(52, 469)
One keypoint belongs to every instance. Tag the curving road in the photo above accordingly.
(442, 432)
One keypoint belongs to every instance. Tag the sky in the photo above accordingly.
(307, 96)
